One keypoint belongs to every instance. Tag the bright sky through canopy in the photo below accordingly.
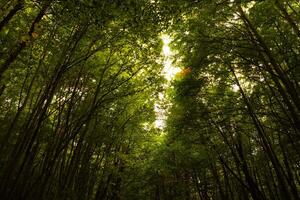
(169, 72)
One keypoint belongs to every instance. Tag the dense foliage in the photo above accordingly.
(79, 81)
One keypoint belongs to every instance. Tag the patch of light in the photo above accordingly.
(160, 123)
(166, 50)
(156, 107)
(166, 39)
(235, 87)
(169, 71)
(245, 84)
(161, 96)
(248, 6)
(146, 126)
(160, 114)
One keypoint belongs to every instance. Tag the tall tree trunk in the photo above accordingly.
(288, 18)
(19, 48)
(11, 13)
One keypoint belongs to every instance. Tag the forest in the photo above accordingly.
(150, 99)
